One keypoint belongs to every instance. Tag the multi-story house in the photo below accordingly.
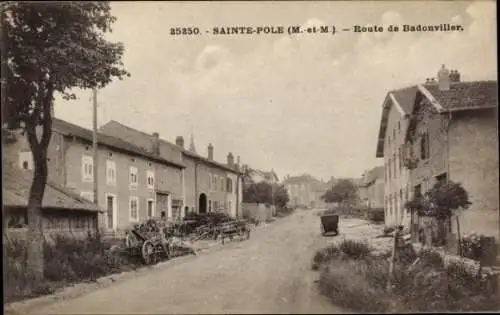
(396, 110)
(453, 135)
(130, 180)
(304, 190)
(206, 184)
(450, 133)
(373, 186)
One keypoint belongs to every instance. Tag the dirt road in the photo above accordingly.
(270, 273)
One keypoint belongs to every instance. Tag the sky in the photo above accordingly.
(305, 103)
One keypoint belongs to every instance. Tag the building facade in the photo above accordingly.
(373, 187)
(395, 117)
(453, 137)
(205, 184)
(128, 177)
(448, 132)
(305, 191)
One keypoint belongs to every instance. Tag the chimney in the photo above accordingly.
(443, 77)
(156, 143)
(180, 141)
(210, 151)
(230, 160)
(454, 76)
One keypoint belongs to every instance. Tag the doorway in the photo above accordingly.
(203, 203)
(110, 211)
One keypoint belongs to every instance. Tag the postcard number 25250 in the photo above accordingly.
(184, 31)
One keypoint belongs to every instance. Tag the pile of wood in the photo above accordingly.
(149, 229)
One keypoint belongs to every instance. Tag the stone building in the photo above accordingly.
(130, 180)
(206, 184)
(443, 130)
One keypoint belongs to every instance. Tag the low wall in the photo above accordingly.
(258, 211)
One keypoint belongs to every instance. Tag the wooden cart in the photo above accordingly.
(329, 224)
(152, 247)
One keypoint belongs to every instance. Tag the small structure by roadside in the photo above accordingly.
(258, 211)
(63, 212)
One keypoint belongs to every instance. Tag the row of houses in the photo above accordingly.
(139, 175)
(442, 130)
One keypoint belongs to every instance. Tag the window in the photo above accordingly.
(442, 178)
(389, 169)
(394, 163)
(133, 177)
(110, 204)
(229, 184)
(424, 146)
(87, 168)
(209, 181)
(110, 172)
(150, 179)
(222, 185)
(229, 206)
(399, 126)
(394, 133)
(400, 156)
(151, 211)
(87, 195)
(26, 160)
(417, 191)
(210, 206)
(134, 208)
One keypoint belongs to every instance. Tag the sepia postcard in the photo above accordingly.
(250, 157)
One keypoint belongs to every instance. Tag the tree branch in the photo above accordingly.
(47, 115)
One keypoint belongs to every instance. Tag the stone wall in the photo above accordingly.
(258, 211)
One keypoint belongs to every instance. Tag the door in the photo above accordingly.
(150, 208)
(110, 209)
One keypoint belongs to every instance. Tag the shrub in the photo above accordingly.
(324, 256)
(347, 248)
(429, 286)
(354, 249)
(345, 283)
(66, 260)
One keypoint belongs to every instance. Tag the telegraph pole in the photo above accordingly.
(94, 145)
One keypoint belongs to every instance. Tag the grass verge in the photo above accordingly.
(355, 279)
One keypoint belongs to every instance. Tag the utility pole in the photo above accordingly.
(94, 146)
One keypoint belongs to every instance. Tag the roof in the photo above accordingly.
(146, 139)
(461, 96)
(404, 98)
(465, 95)
(17, 184)
(70, 129)
(198, 157)
(271, 175)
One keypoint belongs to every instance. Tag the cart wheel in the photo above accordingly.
(148, 252)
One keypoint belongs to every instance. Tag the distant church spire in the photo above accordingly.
(192, 148)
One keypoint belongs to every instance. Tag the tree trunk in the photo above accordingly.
(35, 264)
(35, 232)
